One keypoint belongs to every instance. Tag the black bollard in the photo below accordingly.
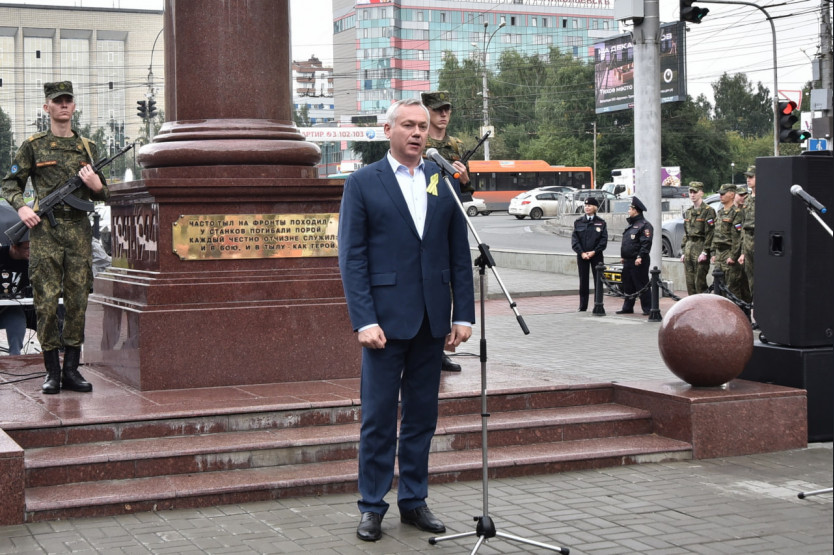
(654, 312)
(599, 308)
(718, 282)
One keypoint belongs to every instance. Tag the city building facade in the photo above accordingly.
(111, 56)
(385, 51)
(312, 86)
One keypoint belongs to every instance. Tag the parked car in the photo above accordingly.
(559, 189)
(603, 197)
(673, 229)
(476, 206)
(669, 191)
(537, 203)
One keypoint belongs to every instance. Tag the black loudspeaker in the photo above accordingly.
(809, 369)
(793, 297)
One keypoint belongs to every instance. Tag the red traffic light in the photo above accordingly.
(788, 107)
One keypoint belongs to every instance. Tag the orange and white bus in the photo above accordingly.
(498, 181)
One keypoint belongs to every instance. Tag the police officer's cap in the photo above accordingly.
(592, 201)
(751, 171)
(742, 189)
(637, 204)
(696, 185)
(436, 99)
(59, 88)
(727, 188)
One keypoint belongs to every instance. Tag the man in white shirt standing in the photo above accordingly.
(404, 256)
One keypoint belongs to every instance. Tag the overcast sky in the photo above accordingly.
(732, 39)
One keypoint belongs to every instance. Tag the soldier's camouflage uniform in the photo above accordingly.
(451, 149)
(60, 257)
(748, 228)
(726, 243)
(699, 226)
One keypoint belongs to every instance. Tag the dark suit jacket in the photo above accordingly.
(390, 275)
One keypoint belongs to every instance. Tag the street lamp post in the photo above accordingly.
(733, 173)
(485, 89)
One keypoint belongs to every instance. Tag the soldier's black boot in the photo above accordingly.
(52, 383)
(73, 380)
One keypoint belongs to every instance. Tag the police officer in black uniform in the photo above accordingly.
(634, 251)
(589, 239)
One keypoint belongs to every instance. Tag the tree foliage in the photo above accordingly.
(739, 108)
(543, 108)
(7, 146)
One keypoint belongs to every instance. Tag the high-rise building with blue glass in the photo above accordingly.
(390, 50)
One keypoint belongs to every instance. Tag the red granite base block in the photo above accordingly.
(184, 346)
(742, 419)
(13, 505)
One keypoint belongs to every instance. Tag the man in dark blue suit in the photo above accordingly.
(402, 244)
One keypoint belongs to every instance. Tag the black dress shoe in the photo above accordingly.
(422, 518)
(370, 527)
(646, 313)
(624, 312)
(582, 310)
(446, 365)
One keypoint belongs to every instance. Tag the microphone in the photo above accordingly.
(798, 191)
(440, 161)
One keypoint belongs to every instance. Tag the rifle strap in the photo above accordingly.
(86, 144)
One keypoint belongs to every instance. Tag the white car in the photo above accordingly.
(476, 206)
(537, 203)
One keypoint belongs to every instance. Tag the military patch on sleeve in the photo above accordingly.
(647, 233)
(14, 169)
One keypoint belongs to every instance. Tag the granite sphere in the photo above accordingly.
(705, 340)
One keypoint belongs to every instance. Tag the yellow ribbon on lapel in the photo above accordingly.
(432, 188)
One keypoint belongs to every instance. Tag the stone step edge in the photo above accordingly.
(261, 440)
(199, 416)
(650, 448)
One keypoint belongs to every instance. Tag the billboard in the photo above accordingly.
(329, 134)
(614, 69)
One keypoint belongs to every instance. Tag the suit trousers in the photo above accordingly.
(407, 369)
(585, 268)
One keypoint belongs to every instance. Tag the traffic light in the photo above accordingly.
(787, 119)
(152, 108)
(692, 14)
(142, 110)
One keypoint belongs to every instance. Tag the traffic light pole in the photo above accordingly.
(775, 69)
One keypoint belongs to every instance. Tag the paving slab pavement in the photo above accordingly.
(730, 505)
(742, 504)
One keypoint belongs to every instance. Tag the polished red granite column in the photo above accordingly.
(159, 320)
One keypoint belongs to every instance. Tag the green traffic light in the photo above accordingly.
(690, 13)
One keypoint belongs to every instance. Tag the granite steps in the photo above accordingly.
(122, 467)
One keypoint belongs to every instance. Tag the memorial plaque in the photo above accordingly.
(219, 236)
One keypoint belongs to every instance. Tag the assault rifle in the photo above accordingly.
(465, 158)
(63, 194)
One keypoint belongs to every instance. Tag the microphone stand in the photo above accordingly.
(485, 529)
(812, 212)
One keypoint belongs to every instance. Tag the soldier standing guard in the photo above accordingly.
(635, 248)
(450, 148)
(727, 240)
(60, 260)
(698, 226)
(749, 228)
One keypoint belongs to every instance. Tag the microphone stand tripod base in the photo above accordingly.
(485, 529)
